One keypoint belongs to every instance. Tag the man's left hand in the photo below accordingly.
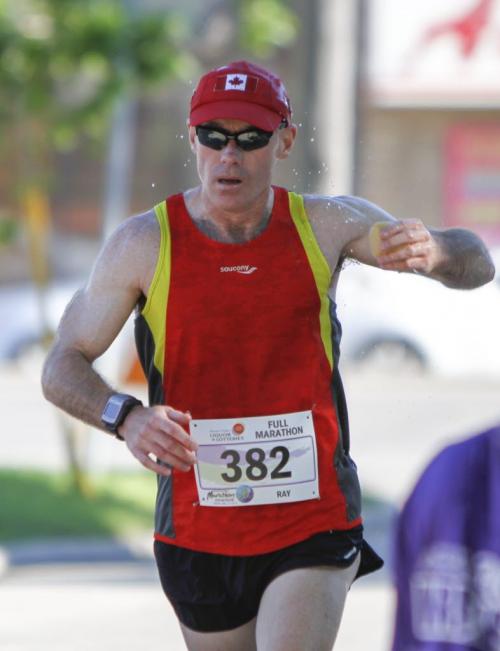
(408, 245)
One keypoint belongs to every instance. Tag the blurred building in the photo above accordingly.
(429, 143)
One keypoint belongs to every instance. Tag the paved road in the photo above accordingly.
(397, 425)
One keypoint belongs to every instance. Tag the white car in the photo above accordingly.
(21, 328)
(20, 314)
(405, 322)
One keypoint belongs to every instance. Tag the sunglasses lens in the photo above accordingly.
(247, 140)
(211, 138)
(253, 139)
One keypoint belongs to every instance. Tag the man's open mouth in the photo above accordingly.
(228, 181)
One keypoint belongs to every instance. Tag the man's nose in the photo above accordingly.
(230, 151)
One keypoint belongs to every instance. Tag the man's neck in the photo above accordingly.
(225, 225)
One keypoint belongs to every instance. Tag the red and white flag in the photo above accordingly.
(236, 82)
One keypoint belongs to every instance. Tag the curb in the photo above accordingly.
(47, 551)
(138, 548)
(4, 562)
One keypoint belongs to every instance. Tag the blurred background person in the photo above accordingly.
(447, 552)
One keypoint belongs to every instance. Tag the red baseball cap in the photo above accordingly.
(243, 91)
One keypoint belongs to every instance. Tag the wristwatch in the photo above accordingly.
(116, 410)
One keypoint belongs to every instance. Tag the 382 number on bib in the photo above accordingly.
(256, 469)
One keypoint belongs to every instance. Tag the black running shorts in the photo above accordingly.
(214, 592)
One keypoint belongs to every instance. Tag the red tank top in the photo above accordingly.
(234, 330)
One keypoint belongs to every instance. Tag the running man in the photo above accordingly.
(258, 530)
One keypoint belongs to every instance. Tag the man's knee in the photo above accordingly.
(301, 609)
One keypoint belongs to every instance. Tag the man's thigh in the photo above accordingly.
(238, 639)
(301, 609)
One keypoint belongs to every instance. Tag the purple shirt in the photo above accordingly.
(447, 552)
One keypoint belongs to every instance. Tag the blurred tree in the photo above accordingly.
(247, 27)
(62, 65)
(8, 230)
(265, 25)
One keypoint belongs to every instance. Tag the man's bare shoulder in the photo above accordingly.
(132, 250)
(342, 210)
(120, 275)
(336, 221)
(141, 230)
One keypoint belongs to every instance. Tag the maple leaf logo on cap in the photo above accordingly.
(236, 82)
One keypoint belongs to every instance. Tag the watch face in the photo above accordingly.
(112, 410)
(116, 410)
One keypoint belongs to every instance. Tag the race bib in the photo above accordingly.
(259, 460)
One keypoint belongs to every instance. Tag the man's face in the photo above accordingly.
(232, 179)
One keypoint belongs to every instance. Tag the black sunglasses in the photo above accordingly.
(249, 139)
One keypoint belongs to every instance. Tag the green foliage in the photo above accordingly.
(64, 62)
(266, 24)
(9, 229)
(38, 504)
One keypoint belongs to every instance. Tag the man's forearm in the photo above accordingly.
(466, 262)
(71, 383)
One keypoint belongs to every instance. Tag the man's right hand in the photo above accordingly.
(160, 431)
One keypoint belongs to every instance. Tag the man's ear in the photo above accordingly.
(286, 141)
(191, 136)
